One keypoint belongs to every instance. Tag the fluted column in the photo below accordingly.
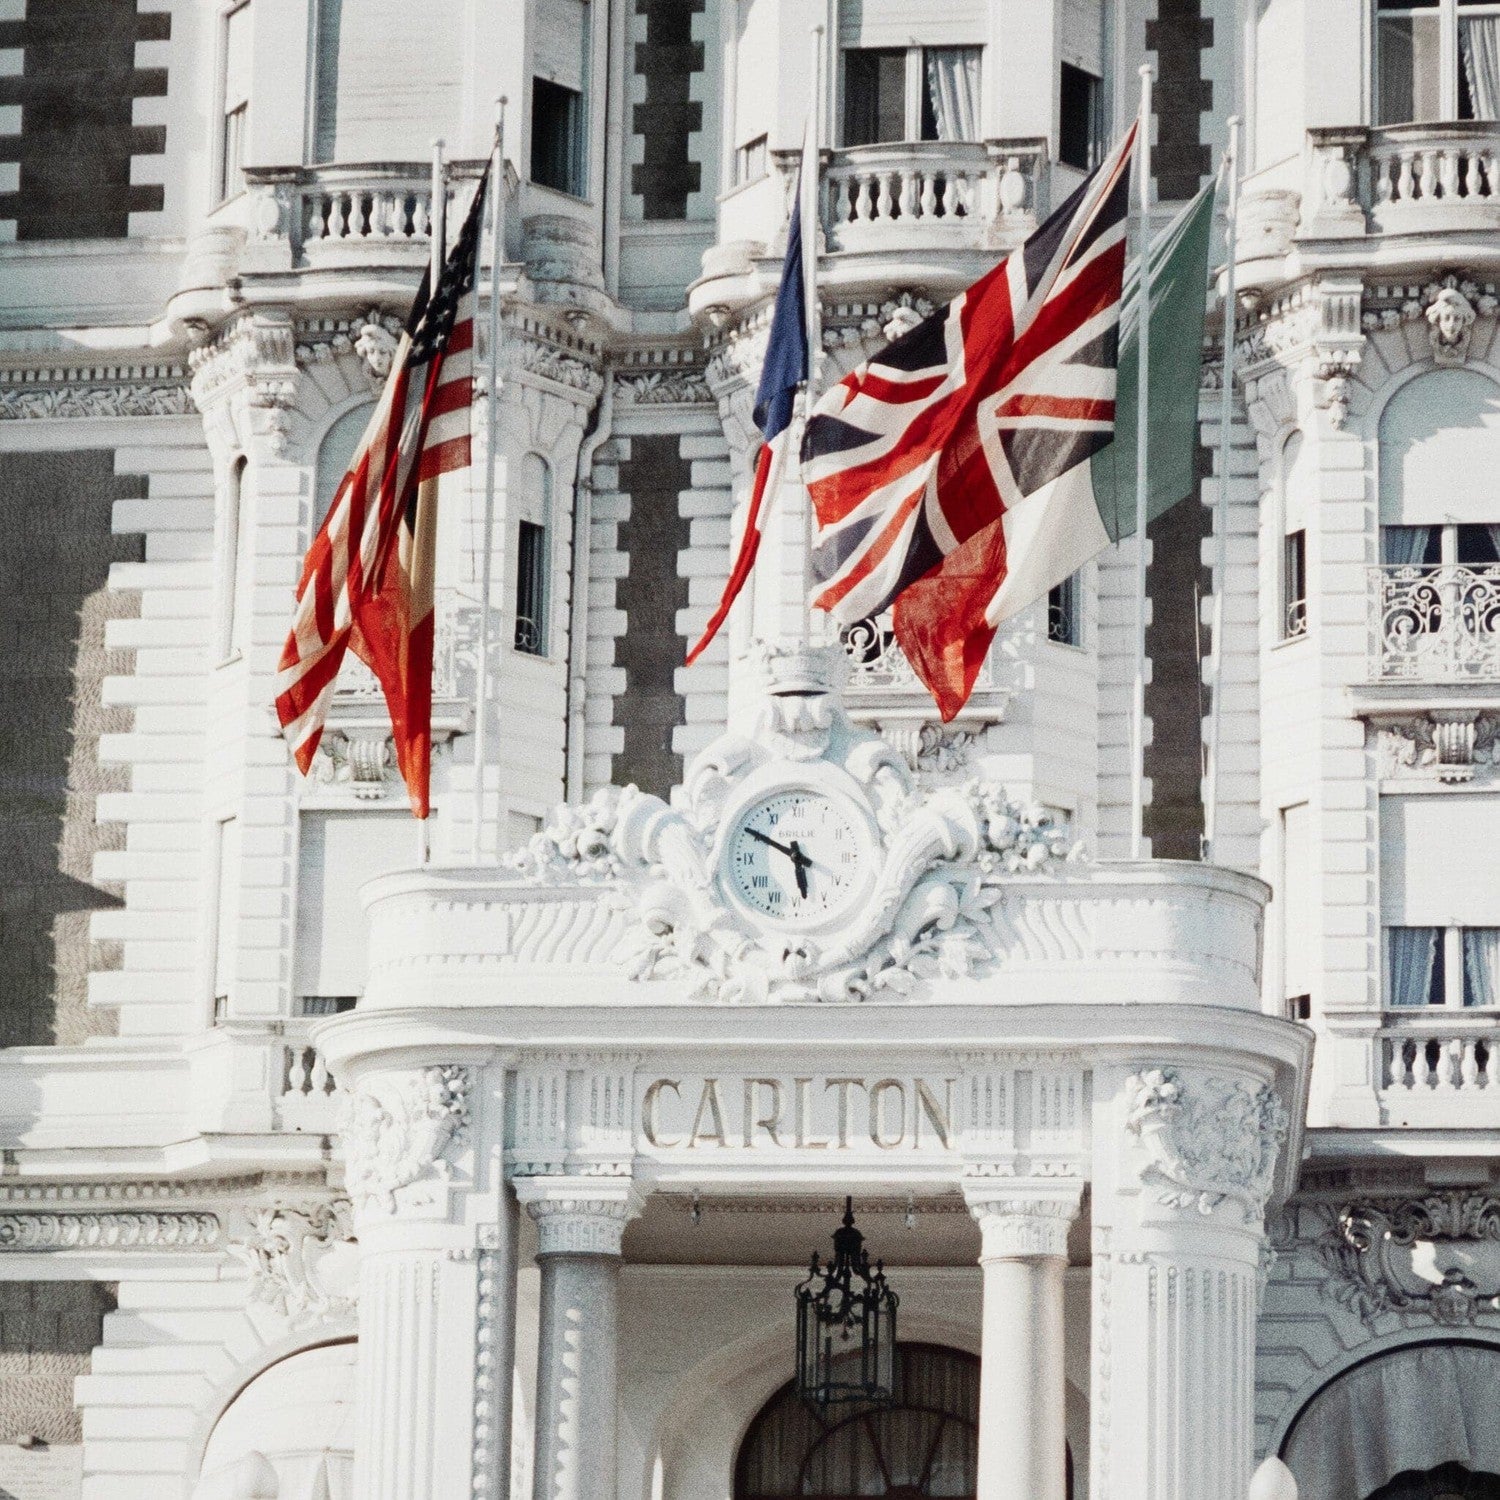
(1184, 1162)
(580, 1223)
(1022, 1391)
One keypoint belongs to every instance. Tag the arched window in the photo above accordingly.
(925, 1444)
(335, 454)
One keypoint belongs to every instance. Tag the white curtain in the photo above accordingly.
(1494, 534)
(1479, 41)
(953, 87)
(1412, 1410)
(1482, 965)
(1405, 545)
(1409, 956)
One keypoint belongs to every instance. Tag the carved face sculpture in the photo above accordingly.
(1450, 316)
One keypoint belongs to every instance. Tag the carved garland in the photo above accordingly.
(401, 1129)
(289, 1253)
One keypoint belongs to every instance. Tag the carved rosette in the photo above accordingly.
(1023, 1226)
(1208, 1141)
(401, 1129)
(579, 1216)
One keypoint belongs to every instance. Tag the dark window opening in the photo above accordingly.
(1299, 1007)
(1081, 121)
(531, 589)
(874, 95)
(1294, 586)
(557, 137)
(325, 1005)
(1062, 612)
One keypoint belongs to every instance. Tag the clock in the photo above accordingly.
(796, 856)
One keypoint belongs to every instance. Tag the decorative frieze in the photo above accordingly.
(1209, 1140)
(403, 1128)
(1445, 745)
(67, 399)
(146, 1230)
(301, 1261)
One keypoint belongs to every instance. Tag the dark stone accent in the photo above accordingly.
(1180, 36)
(1174, 697)
(48, 1333)
(56, 548)
(667, 60)
(77, 84)
(650, 595)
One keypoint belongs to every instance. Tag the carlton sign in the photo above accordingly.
(814, 1112)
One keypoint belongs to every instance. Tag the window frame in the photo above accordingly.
(1065, 612)
(229, 143)
(915, 91)
(1294, 621)
(1448, 13)
(535, 576)
(1448, 965)
(577, 170)
(1097, 124)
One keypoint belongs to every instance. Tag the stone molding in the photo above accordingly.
(1020, 1223)
(61, 395)
(403, 1128)
(579, 1215)
(148, 1230)
(1209, 1140)
(1451, 745)
(289, 1253)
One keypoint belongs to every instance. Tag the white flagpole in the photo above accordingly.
(1142, 475)
(437, 221)
(1221, 510)
(492, 440)
(809, 184)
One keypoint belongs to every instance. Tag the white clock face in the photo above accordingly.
(795, 856)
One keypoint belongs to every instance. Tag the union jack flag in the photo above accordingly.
(950, 472)
(367, 581)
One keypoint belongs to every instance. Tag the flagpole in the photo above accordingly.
(1221, 516)
(437, 222)
(492, 440)
(812, 156)
(1142, 476)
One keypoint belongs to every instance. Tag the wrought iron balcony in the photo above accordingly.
(1436, 623)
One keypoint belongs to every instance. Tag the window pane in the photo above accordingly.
(950, 94)
(1062, 612)
(531, 589)
(1479, 67)
(1079, 131)
(1408, 80)
(557, 137)
(874, 95)
(1478, 546)
(1294, 585)
(1482, 966)
(1413, 966)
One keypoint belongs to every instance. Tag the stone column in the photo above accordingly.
(580, 1222)
(1184, 1164)
(1022, 1395)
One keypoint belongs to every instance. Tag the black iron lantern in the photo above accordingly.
(846, 1325)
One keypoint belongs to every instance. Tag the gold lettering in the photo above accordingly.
(877, 1094)
(802, 1113)
(941, 1115)
(770, 1122)
(650, 1116)
(708, 1100)
(843, 1085)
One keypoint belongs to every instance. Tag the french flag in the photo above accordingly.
(787, 367)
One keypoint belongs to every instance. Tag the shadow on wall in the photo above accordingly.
(56, 548)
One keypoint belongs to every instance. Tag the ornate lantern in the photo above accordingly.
(846, 1325)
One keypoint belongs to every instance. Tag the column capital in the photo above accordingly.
(580, 1215)
(1023, 1221)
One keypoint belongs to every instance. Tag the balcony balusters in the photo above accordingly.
(309, 1092)
(1436, 623)
(1440, 1063)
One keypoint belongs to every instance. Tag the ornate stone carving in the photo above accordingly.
(1369, 1274)
(400, 1129)
(1209, 1141)
(376, 344)
(362, 759)
(946, 854)
(31, 402)
(523, 354)
(1450, 326)
(490, 1379)
(578, 1217)
(1026, 1226)
(302, 1261)
(662, 378)
(111, 1231)
(1446, 745)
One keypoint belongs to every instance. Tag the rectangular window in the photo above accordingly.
(750, 161)
(1080, 134)
(226, 912)
(874, 95)
(557, 159)
(1296, 897)
(234, 113)
(1436, 60)
(531, 589)
(1063, 624)
(911, 94)
(1414, 966)
(1294, 586)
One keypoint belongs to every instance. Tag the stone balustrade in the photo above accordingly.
(1435, 1070)
(308, 1098)
(1436, 624)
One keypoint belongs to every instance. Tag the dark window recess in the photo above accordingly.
(874, 95)
(325, 1005)
(1294, 585)
(531, 589)
(1062, 612)
(557, 137)
(1478, 546)
(1299, 1008)
(1081, 123)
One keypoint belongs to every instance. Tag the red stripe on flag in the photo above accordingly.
(745, 558)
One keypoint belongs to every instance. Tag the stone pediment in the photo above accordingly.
(904, 892)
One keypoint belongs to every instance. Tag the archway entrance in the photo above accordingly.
(924, 1445)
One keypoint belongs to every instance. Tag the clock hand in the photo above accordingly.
(755, 833)
(800, 863)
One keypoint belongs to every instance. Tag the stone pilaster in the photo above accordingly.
(1022, 1439)
(580, 1223)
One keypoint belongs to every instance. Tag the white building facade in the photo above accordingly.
(330, 1174)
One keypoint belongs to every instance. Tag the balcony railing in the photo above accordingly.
(1438, 1070)
(1436, 623)
(938, 194)
(309, 1095)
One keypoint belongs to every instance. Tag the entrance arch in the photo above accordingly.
(925, 1444)
(1421, 1422)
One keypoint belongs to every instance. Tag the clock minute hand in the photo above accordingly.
(800, 863)
(789, 851)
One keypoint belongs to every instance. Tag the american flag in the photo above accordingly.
(949, 472)
(367, 581)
